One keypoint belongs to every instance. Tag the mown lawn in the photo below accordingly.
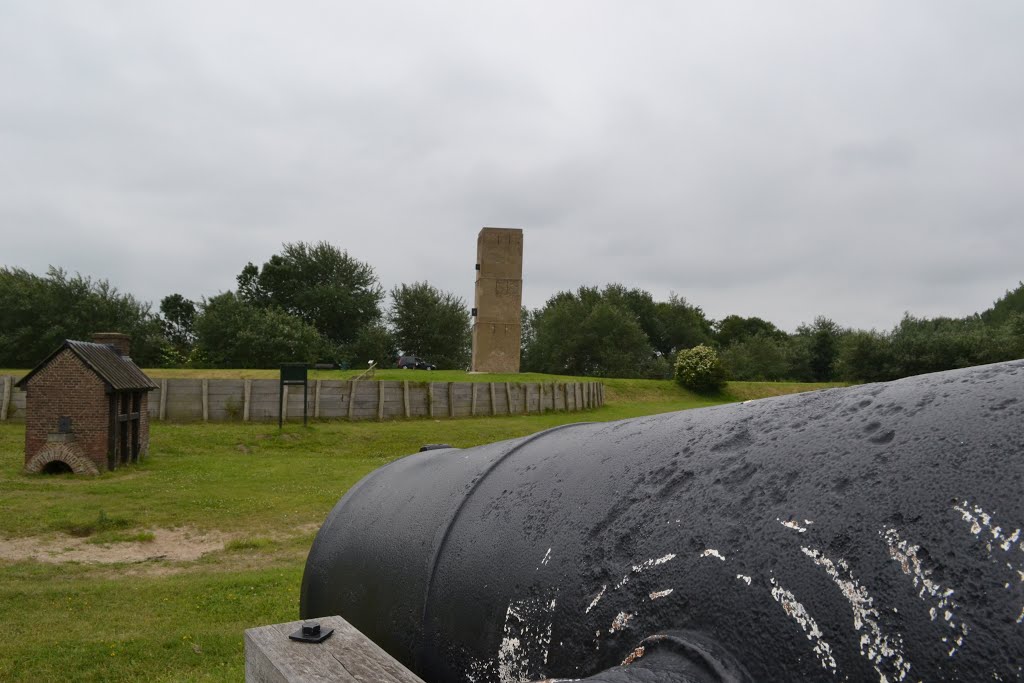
(259, 492)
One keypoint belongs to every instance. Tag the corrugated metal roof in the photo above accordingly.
(114, 369)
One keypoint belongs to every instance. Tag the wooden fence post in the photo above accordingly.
(472, 402)
(246, 399)
(430, 398)
(451, 399)
(206, 400)
(405, 396)
(352, 398)
(316, 400)
(380, 400)
(163, 400)
(5, 402)
(508, 396)
(540, 397)
(284, 404)
(494, 410)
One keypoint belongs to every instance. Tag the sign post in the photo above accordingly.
(293, 374)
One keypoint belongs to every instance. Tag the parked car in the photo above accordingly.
(414, 363)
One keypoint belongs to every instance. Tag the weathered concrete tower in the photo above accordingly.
(499, 298)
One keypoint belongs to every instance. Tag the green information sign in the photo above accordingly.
(293, 374)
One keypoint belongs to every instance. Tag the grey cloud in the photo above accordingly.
(856, 161)
(875, 156)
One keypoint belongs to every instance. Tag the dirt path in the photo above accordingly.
(168, 544)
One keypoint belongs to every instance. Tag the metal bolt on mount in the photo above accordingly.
(311, 633)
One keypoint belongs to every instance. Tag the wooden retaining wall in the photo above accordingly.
(221, 400)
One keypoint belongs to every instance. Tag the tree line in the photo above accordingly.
(316, 303)
(616, 332)
(309, 303)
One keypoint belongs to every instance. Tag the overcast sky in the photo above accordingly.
(787, 159)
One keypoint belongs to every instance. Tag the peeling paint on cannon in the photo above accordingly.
(870, 533)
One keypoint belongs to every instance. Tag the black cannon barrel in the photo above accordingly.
(866, 533)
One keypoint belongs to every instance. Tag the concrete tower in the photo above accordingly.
(499, 298)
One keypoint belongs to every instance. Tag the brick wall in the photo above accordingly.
(66, 387)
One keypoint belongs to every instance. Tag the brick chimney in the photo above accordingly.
(121, 342)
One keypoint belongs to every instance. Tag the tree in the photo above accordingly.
(38, 313)
(735, 328)
(1005, 306)
(762, 357)
(821, 340)
(431, 323)
(178, 321)
(233, 333)
(1012, 333)
(682, 326)
(866, 357)
(319, 284)
(374, 342)
(641, 304)
(527, 335)
(669, 325)
(921, 345)
(586, 333)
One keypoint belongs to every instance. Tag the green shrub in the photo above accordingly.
(700, 369)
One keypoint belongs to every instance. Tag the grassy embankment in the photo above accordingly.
(116, 599)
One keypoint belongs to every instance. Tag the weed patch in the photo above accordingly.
(106, 537)
(102, 523)
(248, 544)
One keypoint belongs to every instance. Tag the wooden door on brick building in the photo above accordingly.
(125, 428)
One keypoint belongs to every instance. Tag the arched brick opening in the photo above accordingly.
(46, 459)
(56, 467)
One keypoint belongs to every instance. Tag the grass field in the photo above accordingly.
(154, 571)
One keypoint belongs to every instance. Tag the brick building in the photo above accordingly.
(86, 408)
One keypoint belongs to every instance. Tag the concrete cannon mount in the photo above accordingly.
(867, 534)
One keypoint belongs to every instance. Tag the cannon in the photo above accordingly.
(863, 533)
